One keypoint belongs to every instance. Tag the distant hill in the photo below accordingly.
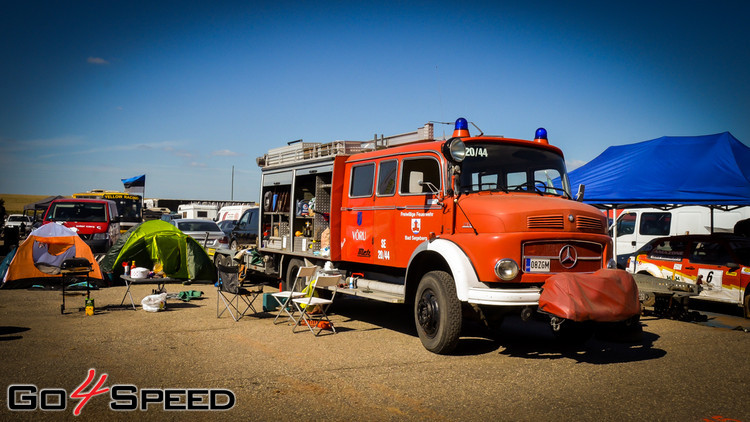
(14, 203)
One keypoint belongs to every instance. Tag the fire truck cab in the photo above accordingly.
(478, 222)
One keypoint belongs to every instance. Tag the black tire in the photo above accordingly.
(221, 259)
(234, 246)
(268, 201)
(291, 274)
(437, 312)
(746, 306)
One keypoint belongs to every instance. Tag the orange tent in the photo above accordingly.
(43, 252)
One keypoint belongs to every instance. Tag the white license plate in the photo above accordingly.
(536, 265)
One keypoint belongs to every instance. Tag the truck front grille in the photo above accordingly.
(555, 222)
(584, 256)
(589, 224)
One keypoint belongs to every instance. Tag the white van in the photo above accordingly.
(204, 211)
(637, 226)
(232, 212)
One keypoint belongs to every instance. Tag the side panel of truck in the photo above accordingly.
(385, 217)
(386, 201)
(417, 213)
(300, 207)
(357, 213)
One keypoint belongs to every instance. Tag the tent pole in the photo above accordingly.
(614, 231)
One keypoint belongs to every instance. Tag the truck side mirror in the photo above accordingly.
(581, 190)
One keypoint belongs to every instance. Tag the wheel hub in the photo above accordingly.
(428, 313)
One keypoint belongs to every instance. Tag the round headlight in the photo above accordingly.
(454, 149)
(506, 269)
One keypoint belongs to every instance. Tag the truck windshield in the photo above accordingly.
(508, 168)
(78, 211)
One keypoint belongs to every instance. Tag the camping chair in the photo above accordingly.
(283, 297)
(313, 309)
(230, 291)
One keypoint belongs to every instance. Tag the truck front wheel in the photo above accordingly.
(437, 312)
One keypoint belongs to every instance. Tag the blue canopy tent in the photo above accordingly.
(712, 170)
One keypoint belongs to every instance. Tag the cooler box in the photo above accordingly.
(269, 303)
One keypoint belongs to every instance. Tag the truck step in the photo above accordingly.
(375, 290)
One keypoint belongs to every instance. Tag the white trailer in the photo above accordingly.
(204, 211)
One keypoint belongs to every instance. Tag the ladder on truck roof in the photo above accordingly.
(298, 151)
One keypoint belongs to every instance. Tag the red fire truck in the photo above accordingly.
(473, 223)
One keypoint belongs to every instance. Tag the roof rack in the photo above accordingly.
(298, 151)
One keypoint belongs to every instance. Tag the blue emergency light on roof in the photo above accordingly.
(462, 128)
(541, 136)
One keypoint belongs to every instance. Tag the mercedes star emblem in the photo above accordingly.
(568, 256)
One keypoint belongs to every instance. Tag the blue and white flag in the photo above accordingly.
(136, 185)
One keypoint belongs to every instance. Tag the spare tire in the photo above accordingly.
(268, 201)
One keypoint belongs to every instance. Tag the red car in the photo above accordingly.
(720, 263)
(95, 220)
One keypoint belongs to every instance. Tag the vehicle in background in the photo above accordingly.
(95, 220)
(245, 233)
(171, 216)
(201, 211)
(23, 222)
(227, 226)
(205, 232)
(129, 206)
(154, 213)
(637, 226)
(232, 212)
(718, 263)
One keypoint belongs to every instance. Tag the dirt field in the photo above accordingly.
(14, 203)
(375, 368)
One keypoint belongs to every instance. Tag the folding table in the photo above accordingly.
(159, 281)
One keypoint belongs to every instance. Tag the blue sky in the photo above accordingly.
(95, 91)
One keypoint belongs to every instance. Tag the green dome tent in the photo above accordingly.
(158, 241)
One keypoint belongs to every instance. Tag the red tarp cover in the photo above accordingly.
(605, 296)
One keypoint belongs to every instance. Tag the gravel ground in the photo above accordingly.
(374, 368)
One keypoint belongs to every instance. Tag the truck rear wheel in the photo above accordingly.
(746, 306)
(437, 312)
(291, 274)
